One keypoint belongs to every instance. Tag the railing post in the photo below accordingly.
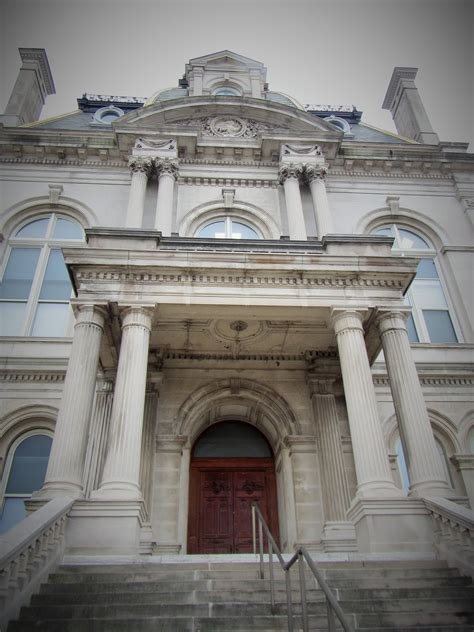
(304, 605)
(254, 534)
(272, 585)
(289, 600)
(260, 546)
(331, 621)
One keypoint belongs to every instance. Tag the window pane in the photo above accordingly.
(232, 439)
(428, 294)
(51, 320)
(12, 316)
(411, 329)
(439, 325)
(242, 231)
(13, 512)
(56, 283)
(426, 269)
(402, 466)
(19, 273)
(29, 465)
(387, 231)
(37, 228)
(65, 229)
(216, 229)
(410, 240)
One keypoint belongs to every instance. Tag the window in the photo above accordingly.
(430, 320)
(231, 439)
(25, 470)
(227, 228)
(35, 287)
(226, 92)
(105, 116)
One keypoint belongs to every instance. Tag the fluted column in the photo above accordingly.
(316, 176)
(167, 170)
(141, 169)
(336, 490)
(66, 462)
(290, 176)
(425, 469)
(121, 476)
(370, 456)
(148, 444)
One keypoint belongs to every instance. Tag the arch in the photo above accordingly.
(27, 209)
(264, 408)
(465, 428)
(241, 210)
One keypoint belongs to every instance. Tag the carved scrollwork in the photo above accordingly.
(217, 486)
(141, 165)
(290, 170)
(167, 165)
(251, 486)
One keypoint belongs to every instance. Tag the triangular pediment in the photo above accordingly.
(225, 58)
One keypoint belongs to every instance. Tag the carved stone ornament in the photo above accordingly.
(301, 150)
(290, 170)
(150, 143)
(167, 165)
(469, 202)
(143, 165)
(226, 126)
(315, 172)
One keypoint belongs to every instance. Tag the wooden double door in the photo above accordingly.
(220, 497)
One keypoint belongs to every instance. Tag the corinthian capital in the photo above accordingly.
(290, 170)
(315, 172)
(143, 165)
(167, 165)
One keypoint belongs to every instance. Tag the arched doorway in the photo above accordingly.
(232, 466)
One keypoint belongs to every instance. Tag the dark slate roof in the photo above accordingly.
(367, 134)
(74, 120)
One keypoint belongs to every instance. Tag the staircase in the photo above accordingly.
(221, 596)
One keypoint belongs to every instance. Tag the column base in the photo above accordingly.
(105, 527)
(115, 492)
(388, 525)
(431, 488)
(339, 536)
(162, 548)
(58, 490)
(379, 489)
(146, 540)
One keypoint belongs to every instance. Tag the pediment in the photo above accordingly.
(225, 58)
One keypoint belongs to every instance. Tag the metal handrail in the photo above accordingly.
(300, 556)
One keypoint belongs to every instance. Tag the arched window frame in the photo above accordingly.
(229, 219)
(45, 244)
(9, 462)
(417, 325)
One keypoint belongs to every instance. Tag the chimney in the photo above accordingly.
(406, 107)
(33, 84)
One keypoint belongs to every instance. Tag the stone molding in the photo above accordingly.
(227, 182)
(17, 376)
(426, 380)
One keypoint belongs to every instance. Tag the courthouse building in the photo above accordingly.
(218, 295)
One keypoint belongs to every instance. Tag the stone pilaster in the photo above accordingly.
(148, 443)
(141, 169)
(167, 170)
(98, 435)
(370, 456)
(338, 532)
(290, 176)
(316, 176)
(464, 463)
(121, 476)
(425, 469)
(65, 471)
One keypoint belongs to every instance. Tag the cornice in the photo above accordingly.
(435, 380)
(221, 182)
(24, 376)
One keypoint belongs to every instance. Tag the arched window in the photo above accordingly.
(24, 474)
(231, 439)
(430, 320)
(226, 91)
(35, 287)
(227, 228)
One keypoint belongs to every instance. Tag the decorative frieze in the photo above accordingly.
(17, 376)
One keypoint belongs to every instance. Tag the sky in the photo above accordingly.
(318, 51)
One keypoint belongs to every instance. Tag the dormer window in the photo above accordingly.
(107, 115)
(340, 123)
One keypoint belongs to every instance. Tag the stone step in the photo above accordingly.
(330, 574)
(396, 620)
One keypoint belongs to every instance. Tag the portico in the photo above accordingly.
(185, 329)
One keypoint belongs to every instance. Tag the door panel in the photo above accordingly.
(221, 493)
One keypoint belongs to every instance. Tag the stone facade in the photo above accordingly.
(301, 327)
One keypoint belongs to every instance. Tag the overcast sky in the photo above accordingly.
(318, 51)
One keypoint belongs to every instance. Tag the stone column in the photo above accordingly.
(289, 496)
(141, 169)
(167, 170)
(290, 176)
(316, 175)
(65, 471)
(424, 465)
(371, 460)
(148, 444)
(121, 476)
